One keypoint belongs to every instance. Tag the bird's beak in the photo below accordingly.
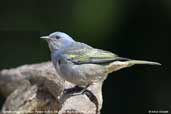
(45, 37)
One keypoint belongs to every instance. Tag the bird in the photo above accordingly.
(84, 65)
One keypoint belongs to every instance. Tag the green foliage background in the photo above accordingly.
(138, 29)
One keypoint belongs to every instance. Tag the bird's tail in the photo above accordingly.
(125, 62)
(133, 62)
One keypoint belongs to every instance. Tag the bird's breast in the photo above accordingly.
(55, 60)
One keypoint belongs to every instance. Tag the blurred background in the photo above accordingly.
(138, 29)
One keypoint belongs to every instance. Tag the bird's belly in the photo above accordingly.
(83, 74)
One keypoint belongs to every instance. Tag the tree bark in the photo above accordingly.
(38, 89)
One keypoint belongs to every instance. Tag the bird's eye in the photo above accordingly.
(57, 37)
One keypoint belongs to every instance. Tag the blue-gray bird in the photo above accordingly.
(82, 64)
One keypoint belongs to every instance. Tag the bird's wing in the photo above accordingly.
(80, 53)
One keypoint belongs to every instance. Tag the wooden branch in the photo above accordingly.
(37, 88)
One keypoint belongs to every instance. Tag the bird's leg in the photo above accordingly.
(77, 90)
(92, 98)
(84, 89)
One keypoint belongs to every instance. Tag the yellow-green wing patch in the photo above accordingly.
(92, 56)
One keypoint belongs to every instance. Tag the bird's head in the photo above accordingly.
(58, 40)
